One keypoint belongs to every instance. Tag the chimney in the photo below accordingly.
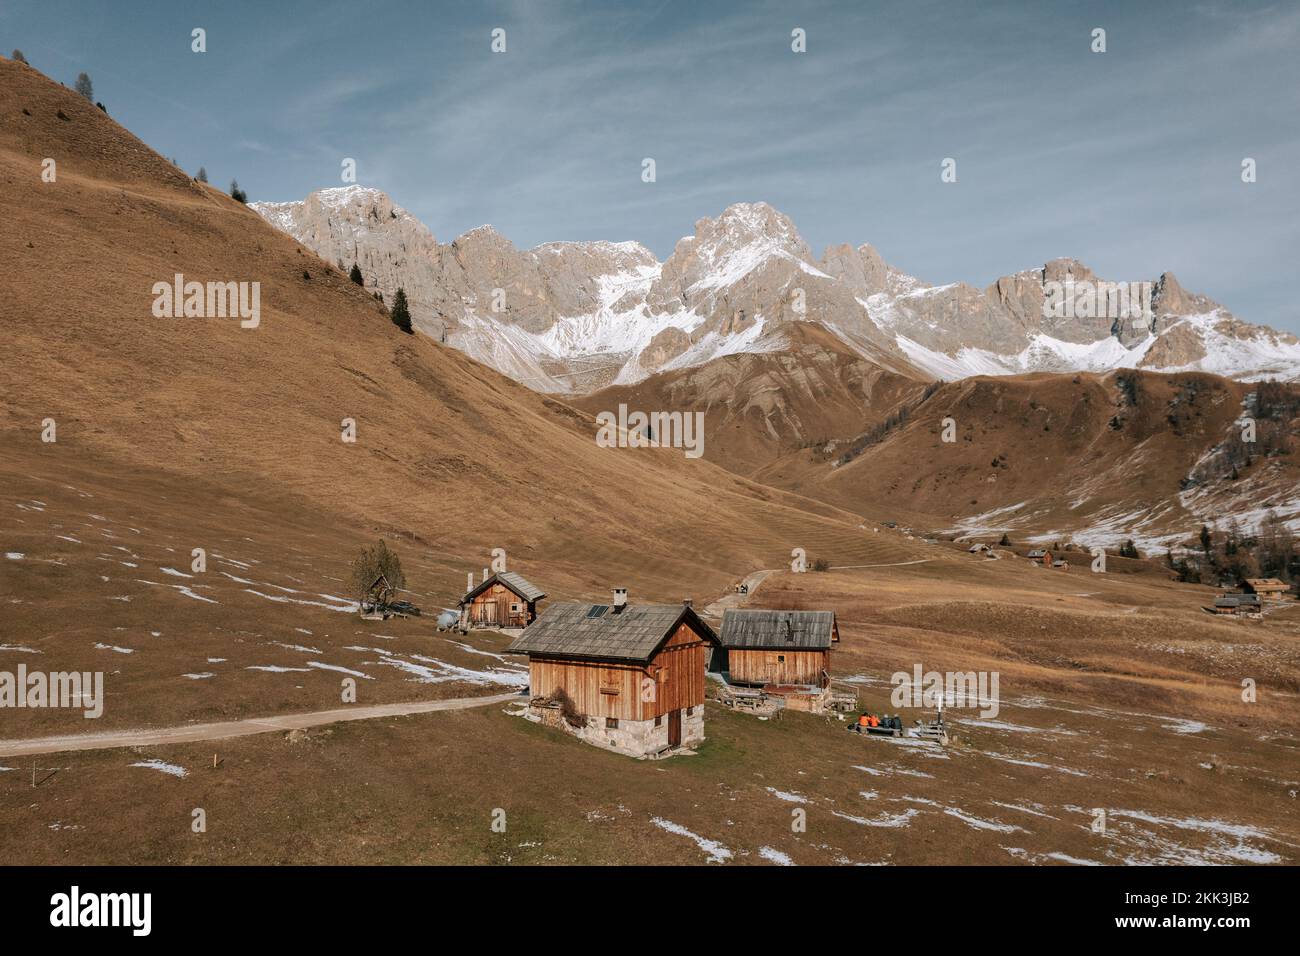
(620, 597)
(686, 602)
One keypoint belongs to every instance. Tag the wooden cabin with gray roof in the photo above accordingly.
(627, 677)
(762, 647)
(504, 601)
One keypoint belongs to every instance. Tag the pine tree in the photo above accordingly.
(355, 275)
(202, 175)
(400, 314)
(1205, 539)
(84, 87)
(236, 193)
(18, 57)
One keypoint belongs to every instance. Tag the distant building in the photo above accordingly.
(1269, 589)
(628, 677)
(504, 600)
(1037, 554)
(766, 648)
(1235, 604)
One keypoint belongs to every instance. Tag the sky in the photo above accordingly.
(1129, 160)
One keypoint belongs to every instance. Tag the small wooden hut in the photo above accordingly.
(776, 647)
(504, 600)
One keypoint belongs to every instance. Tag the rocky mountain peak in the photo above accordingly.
(573, 316)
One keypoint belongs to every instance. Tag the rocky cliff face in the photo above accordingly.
(354, 224)
(578, 316)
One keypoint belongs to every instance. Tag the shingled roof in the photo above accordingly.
(750, 629)
(602, 632)
(516, 583)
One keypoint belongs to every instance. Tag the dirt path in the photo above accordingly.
(758, 577)
(733, 599)
(235, 728)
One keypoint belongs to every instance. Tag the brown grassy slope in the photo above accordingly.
(1073, 448)
(446, 448)
(423, 790)
(761, 406)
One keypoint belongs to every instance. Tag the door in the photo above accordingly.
(503, 610)
(674, 728)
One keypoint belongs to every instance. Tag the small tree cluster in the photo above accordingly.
(17, 57)
(85, 87)
(236, 193)
(355, 275)
(370, 564)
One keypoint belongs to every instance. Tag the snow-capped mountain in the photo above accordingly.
(578, 316)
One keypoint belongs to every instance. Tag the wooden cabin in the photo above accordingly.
(504, 600)
(1268, 589)
(1235, 604)
(776, 647)
(628, 677)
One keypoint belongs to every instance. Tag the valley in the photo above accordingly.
(280, 449)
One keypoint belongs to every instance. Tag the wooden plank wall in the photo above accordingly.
(497, 596)
(600, 689)
(763, 666)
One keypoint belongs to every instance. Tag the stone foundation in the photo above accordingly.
(634, 738)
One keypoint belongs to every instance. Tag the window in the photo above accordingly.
(611, 723)
(514, 609)
(780, 658)
(659, 720)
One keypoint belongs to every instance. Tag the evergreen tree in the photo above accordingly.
(18, 56)
(202, 175)
(1205, 538)
(1005, 542)
(236, 193)
(400, 314)
(355, 275)
(84, 87)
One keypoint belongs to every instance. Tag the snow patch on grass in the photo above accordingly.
(716, 851)
(162, 766)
